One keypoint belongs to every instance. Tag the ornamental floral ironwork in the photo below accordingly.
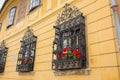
(69, 45)
(26, 55)
(3, 55)
(67, 14)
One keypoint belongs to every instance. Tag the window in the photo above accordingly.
(0, 26)
(34, 4)
(11, 16)
(2, 4)
(69, 45)
(3, 55)
(26, 55)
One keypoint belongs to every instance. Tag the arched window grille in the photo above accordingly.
(3, 56)
(69, 45)
(26, 55)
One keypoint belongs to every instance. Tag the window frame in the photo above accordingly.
(33, 8)
(9, 25)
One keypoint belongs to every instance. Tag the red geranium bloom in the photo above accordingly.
(76, 51)
(66, 49)
(30, 60)
(78, 55)
(63, 54)
(24, 61)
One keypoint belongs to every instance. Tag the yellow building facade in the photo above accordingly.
(102, 46)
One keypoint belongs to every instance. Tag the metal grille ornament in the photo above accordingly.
(69, 45)
(67, 14)
(26, 55)
(3, 55)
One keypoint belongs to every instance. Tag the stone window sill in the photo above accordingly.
(73, 72)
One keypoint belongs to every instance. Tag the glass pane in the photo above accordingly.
(34, 3)
(65, 43)
(37, 2)
(11, 16)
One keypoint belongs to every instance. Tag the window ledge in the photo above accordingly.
(72, 72)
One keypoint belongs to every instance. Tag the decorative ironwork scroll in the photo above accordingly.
(67, 14)
(26, 55)
(69, 45)
(3, 55)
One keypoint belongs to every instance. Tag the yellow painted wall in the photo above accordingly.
(104, 58)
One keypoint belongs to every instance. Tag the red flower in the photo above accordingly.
(76, 51)
(24, 61)
(30, 60)
(63, 54)
(66, 49)
(78, 55)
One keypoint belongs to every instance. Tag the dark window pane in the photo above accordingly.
(34, 3)
(11, 16)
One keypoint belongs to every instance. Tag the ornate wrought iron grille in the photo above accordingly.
(69, 45)
(3, 55)
(26, 55)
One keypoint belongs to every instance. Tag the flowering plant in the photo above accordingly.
(69, 54)
(30, 60)
(24, 61)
